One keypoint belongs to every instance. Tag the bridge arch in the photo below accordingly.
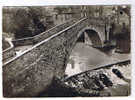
(88, 35)
(91, 36)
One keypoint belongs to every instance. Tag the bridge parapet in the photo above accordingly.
(33, 71)
(40, 37)
(10, 53)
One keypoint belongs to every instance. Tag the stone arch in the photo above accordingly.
(95, 37)
(93, 34)
(92, 37)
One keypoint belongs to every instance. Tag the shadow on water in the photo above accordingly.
(106, 50)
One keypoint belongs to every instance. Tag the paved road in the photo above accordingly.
(84, 57)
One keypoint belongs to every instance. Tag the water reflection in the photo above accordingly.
(73, 65)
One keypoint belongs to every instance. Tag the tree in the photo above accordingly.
(24, 21)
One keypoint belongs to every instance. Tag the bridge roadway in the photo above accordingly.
(34, 69)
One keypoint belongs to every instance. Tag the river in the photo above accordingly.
(84, 57)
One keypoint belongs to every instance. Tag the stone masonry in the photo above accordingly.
(33, 71)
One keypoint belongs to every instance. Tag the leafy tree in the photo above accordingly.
(24, 21)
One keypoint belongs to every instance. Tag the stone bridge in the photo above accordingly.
(33, 71)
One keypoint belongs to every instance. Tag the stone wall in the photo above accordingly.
(33, 71)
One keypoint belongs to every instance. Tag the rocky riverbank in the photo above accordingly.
(109, 81)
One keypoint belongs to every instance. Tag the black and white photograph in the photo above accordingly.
(66, 51)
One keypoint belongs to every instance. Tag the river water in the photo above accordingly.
(84, 57)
